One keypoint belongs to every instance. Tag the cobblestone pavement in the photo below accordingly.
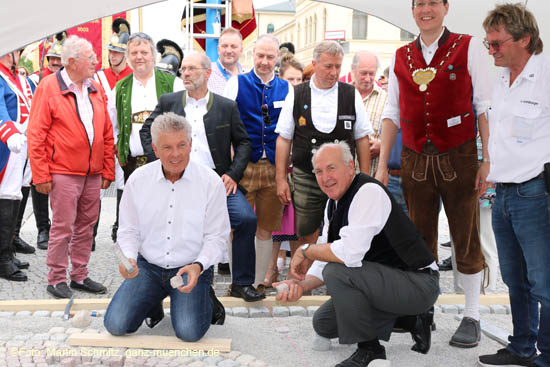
(103, 263)
(281, 336)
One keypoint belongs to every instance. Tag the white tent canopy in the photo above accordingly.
(41, 18)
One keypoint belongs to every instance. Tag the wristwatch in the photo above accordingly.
(304, 248)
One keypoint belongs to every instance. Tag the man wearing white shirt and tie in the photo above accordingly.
(173, 221)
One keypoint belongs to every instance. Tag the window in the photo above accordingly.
(360, 25)
(407, 36)
(270, 28)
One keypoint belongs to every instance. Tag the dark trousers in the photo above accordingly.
(366, 301)
(21, 212)
(8, 218)
(41, 210)
(449, 177)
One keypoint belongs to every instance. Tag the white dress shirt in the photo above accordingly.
(84, 105)
(144, 98)
(194, 113)
(174, 224)
(368, 213)
(478, 68)
(519, 122)
(324, 110)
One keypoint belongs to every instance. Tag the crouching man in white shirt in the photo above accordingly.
(173, 221)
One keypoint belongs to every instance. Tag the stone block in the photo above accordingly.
(22, 337)
(212, 361)
(498, 309)
(451, 309)
(484, 310)
(23, 313)
(281, 311)
(59, 337)
(258, 311)
(228, 363)
(297, 311)
(42, 313)
(246, 359)
(234, 354)
(460, 308)
(258, 363)
(57, 314)
(7, 314)
(56, 330)
(311, 310)
(240, 311)
(73, 330)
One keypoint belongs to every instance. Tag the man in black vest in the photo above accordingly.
(374, 262)
(321, 110)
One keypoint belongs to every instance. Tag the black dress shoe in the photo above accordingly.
(246, 292)
(22, 246)
(446, 264)
(60, 290)
(114, 230)
(155, 316)
(89, 285)
(362, 357)
(10, 271)
(93, 244)
(20, 264)
(42, 239)
(422, 333)
(223, 269)
(218, 311)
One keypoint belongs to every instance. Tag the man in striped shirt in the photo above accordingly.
(364, 66)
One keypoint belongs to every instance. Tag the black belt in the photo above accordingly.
(512, 184)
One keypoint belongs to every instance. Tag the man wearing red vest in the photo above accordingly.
(437, 84)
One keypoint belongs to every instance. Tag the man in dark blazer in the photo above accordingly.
(217, 126)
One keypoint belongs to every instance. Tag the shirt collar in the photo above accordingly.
(70, 84)
(319, 90)
(435, 44)
(529, 72)
(200, 102)
(159, 173)
(151, 79)
(269, 81)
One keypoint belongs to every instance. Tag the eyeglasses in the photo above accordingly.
(495, 44)
(421, 4)
(191, 69)
(265, 110)
(92, 58)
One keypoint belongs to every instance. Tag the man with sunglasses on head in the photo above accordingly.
(260, 95)
(319, 111)
(519, 126)
(135, 97)
(436, 83)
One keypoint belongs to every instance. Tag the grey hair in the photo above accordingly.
(359, 54)
(327, 47)
(72, 48)
(170, 122)
(268, 38)
(344, 149)
(138, 37)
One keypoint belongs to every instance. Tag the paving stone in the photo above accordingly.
(68, 362)
(91, 331)
(452, 309)
(437, 308)
(498, 309)
(483, 310)
(258, 311)
(229, 311)
(24, 337)
(73, 330)
(240, 311)
(246, 359)
(234, 354)
(41, 336)
(14, 343)
(197, 364)
(297, 311)
(460, 308)
(311, 310)
(228, 363)
(258, 363)
(57, 314)
(41, 365)
(58, 337)
(212, 361)
(56, 330)
(281, 311)
(23, 313)
(508, 309)
(42, 313)
(7, 314)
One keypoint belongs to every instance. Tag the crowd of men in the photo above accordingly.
(200, 152)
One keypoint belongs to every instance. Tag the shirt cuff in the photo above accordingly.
(338, 249)
(316, 269)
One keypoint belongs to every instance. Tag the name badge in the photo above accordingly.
(347, 125)
(453, 121)
(278, 104)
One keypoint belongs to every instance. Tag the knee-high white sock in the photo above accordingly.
(263, 255)
(471, 284)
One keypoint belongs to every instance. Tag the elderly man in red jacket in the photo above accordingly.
(72, 156)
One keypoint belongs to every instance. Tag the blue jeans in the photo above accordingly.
(191, 313)
(394, 186)
(521, 222)
(243, 221)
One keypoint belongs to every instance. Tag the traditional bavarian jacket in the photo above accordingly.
(439, 111)
(15, 104)
(164, 83)
(108, 79)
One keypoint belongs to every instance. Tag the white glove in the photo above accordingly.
(16, 142)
